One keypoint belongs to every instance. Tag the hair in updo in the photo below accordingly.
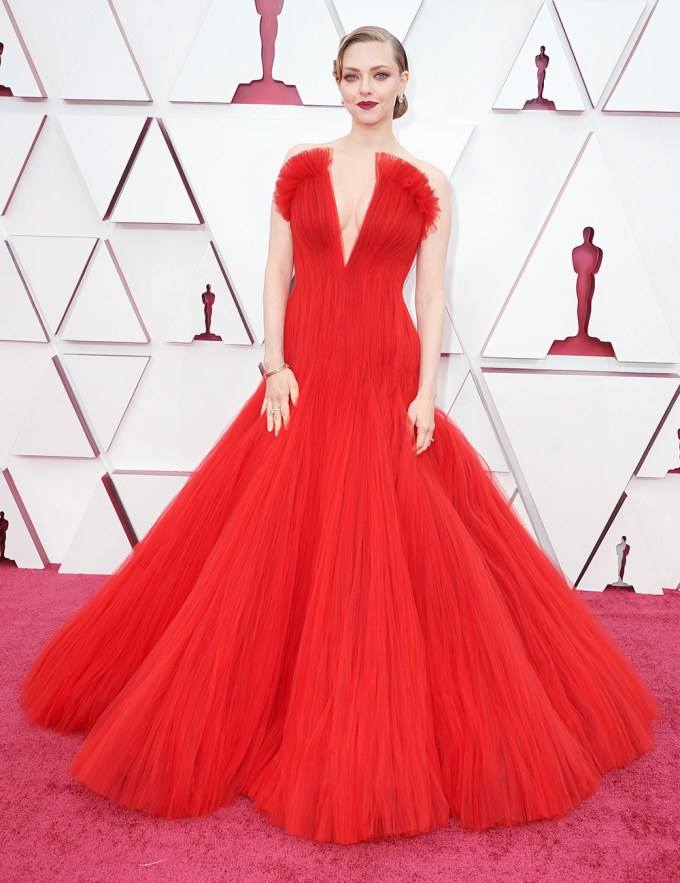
(368, 34)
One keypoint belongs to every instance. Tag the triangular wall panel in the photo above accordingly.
(52, 267)
(648, 519)
(104, 386)
(103, 308)
(521, 84)
(52, 426)
(580, 454)
(104, 68)
(18, 317)
(22, 544)
(650, 80)
(19, 135)
(102, 147)
(154, 192)
(100, 543)
(226, 320)
(226, 52)
(586, 23)
(664, 454)
(146, 494)
(17, 73)
(56, 493)
(470, 415)
(625, 311)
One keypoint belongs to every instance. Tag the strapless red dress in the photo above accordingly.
(365, 641)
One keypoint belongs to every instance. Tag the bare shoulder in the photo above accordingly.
(438, 180)
(300, 148)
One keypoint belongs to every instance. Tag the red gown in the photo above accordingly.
(365, 641)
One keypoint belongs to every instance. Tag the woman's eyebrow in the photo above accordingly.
(374, 68)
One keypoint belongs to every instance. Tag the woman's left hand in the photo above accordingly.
(421, 415)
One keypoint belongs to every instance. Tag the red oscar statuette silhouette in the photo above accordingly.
(586, 260)
(5, 91)
(4, 524)
(267, 90)
(542, 61)
(622, 550)
(208, 298)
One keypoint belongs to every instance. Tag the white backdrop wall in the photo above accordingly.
(129, 179)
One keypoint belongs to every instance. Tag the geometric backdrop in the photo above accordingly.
(139, 147)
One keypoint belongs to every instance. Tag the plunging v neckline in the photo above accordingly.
(338, 226)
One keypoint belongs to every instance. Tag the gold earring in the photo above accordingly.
(401, 99)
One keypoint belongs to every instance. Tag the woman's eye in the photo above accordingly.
(379, 74)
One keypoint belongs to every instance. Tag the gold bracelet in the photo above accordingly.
(276, 370)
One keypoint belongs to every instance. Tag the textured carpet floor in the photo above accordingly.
(54, 829)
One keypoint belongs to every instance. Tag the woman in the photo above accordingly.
(340, 616)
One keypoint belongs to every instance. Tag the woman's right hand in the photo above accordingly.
(280, 387)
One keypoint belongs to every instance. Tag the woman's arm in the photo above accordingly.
(430, 268)
(278, 272)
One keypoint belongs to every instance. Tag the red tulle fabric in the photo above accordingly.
(365, 641)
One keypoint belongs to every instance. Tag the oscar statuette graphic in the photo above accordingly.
(622, 550)
(208, 298)
(267, 90)
(542, 61)
(586, 260)
(5, 91)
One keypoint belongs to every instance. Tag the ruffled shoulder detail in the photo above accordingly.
(300, 165)
(415, 181)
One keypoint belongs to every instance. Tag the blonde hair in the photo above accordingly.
(368, 34)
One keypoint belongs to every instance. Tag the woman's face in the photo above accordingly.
(370, 81)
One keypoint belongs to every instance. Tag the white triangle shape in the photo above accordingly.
(19, 543)
(18, 318)
(578, 437)
(624, 308)
(189, 319)
(656, 505)
(664, 453)
(52, 267)
(103, 309)
(104, 68)
(51, 427)
(640, 570)
(470, 415)
(586, 22)
(154, 192)
(16, 71)
(227, 51)
(104, 386)
(650, 82)
(102, 147)
(99, 544)
(521, 83)
(146, 495)
(19, 135)
(56, 493)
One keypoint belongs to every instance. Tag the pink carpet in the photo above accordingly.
(54, 829)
